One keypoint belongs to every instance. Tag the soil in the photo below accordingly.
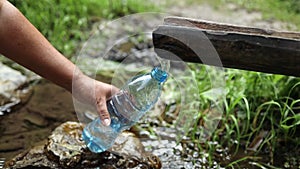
(230, 14)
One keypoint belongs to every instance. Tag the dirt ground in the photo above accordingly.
(229, 13)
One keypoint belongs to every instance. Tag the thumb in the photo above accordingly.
(102, 110)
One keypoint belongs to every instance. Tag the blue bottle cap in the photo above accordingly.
(159, 74)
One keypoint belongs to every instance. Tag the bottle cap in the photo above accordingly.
(159, 74)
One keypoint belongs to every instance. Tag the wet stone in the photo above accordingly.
(65, 149)
(10, 79)
(35, 118)
(7, 146)
(10, 92)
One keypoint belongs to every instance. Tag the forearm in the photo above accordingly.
(23, 43)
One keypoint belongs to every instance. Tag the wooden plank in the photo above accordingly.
(238, 47)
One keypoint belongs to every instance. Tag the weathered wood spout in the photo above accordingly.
(238, 47)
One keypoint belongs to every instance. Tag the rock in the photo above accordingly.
(65, 149)
(34, 158)
(65, 145)
(10, 79)
(35, 118)
(10, 82)
(7, 146)
(128, 145)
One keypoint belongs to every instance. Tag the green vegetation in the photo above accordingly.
(64, 22)
(261, 111)
(258, 107)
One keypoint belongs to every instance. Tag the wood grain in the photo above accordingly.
(229, 46)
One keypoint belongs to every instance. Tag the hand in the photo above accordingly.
(33, 51)
(94, 93)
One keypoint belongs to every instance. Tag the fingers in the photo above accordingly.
(103, 92)
(102, 110)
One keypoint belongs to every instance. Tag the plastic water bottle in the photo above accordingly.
(135, 98)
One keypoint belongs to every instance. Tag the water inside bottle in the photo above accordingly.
(99, 137)
(95, 142)
(125, 108)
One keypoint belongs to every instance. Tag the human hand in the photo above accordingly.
(94, 93)
(33, 51)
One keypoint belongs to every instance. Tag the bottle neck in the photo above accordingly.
(159, 75)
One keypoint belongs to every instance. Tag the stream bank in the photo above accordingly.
(49, 105)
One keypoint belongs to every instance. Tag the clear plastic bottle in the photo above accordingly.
(135, 98)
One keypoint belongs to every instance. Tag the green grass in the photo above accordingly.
(255, 103)
(65, 23)
(116, 8)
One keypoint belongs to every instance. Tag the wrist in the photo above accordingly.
(82, 87)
